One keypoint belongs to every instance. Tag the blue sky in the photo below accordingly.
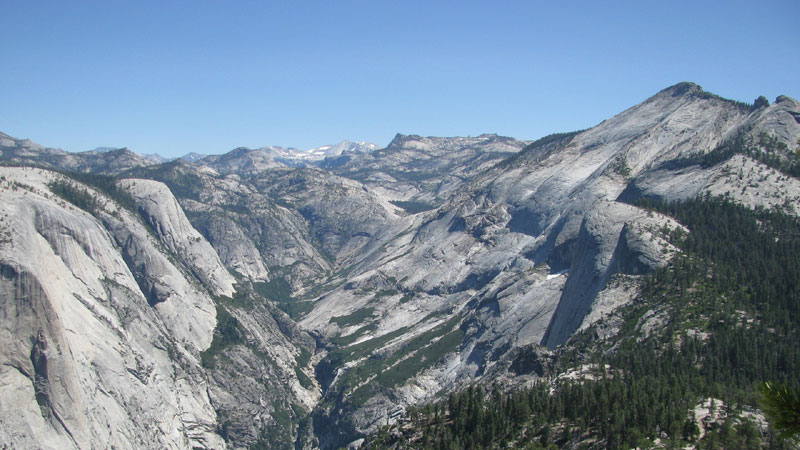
(173, 77)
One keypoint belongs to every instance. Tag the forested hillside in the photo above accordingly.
(720, 318)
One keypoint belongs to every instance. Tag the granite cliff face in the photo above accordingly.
(89, 361)
(106, 316)
(237, 300)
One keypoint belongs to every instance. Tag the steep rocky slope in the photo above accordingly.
(532, 250)
(88, 362)
(106, 317)
(274, 304)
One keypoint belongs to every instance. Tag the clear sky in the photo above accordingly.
(171, 77)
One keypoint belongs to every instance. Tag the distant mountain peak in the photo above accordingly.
(105, 149)
(486, 141)
(192, 157)
(682, 88)
(345, 146)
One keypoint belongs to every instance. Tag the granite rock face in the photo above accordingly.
(107, 316)
(540, 245)
(172, 228)
(87, 361)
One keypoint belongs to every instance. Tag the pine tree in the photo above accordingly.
(782, 407)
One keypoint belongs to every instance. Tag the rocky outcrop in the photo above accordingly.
(168, 221)
(235, 246)
(243, 161)
(613, 239)
(108, 321)
(86, 361)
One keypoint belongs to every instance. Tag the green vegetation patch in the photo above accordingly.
(303, 378)
(620, 166)
(413, 207)
(421, 359)
(78, 196)
(181, 180)
(339, 356)
(81, 198)
(342, 341)
(296, 309)
(276, 289)
(362, 394)
(303, 357)
(353, 318)
(383, 293)
(765, 149)
(407, 298)
(228, 332)
(242, 298)
(424, 353)
(279, 434)
(279, 291)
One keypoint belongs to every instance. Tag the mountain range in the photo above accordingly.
(275, 298)
(22, 150)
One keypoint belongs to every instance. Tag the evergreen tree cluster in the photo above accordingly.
(766, 149)
(76, 195)
(83, 199)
